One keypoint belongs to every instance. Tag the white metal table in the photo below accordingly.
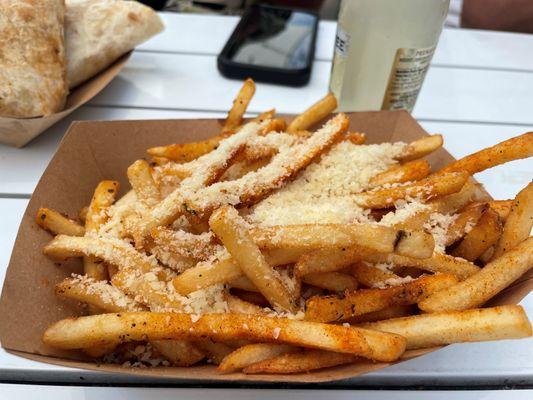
(477, 93)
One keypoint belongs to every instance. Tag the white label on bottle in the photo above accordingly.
(406, 78)
(342, 42)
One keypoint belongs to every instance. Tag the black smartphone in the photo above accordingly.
(271, 44)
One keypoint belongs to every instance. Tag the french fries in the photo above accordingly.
(57, 224)
(142, 182)
(437, 329)
(482, 286)
(351, 304)
(378, 238)
(275, 249)
(425, 189)
(519, 221)
(509, 150)
(83, 332)
(410, 171)
(251, 354)
(438, 263)
(482, 237)
(293, 363)
(240, 104)
(231, 230)
(314, 114)
(332, 281)
(421, 147)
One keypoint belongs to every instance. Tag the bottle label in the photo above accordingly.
(342, 42)
(406, 78)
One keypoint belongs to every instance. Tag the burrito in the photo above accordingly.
(32, 58)
(99, 31)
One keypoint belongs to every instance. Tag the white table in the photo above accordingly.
(478, 92)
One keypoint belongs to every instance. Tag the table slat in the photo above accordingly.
(201, 34)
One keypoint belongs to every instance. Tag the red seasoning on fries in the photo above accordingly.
(277, 248)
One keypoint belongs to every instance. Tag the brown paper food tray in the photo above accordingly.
(92, 151)
(18, 132)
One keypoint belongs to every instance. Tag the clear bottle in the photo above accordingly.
(382, 52)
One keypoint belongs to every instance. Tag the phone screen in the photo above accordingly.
(276, 38)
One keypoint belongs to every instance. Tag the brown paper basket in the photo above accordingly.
(18, 132)
(92, 151)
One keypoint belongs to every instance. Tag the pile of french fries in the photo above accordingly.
(175, 266)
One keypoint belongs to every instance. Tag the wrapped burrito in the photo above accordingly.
(99, 31)
(32, 58)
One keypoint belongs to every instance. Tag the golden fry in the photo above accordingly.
(519, 222)
(251, 354)
(314, 114)
(485, 284)
(240, 104)
(437, 329)
(408, 172)
(58, 224)
(83, 332)
(334, 308)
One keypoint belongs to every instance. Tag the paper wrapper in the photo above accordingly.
(19, 131)
(92, 151)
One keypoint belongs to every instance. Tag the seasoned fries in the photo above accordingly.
(314, 114)
(351, 304)
(57, 224)
(485, 284)
(519, 222)
(88, 331)
(437, 329)
(271, 248)
(251, 354)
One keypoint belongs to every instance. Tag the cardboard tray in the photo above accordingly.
(92, 151)
(18, 132)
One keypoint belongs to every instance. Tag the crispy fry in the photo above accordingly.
(519, 222)
(206, 274)
(482, 286)
(511, 149)
(112, 251)
(425, 189)
(93, 330)
(386, 313)
(240, 104)
(232, 231)
(293, 363)
(251, 354)
(333, 281)
(410, 171)
(58, 224)
(355, 137)
(239, 306)
(314, 114)
(482, 236)
(377, 238)
(184, 152)
(327, 260)
(284, 166)
(142, 182)
(371, 276)
(502, 207)
(437, 329)
(463, 222)
(421, 147)
(96, 293)
(269, 114)
(104, 196)
(438, 263)
(333, 308)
